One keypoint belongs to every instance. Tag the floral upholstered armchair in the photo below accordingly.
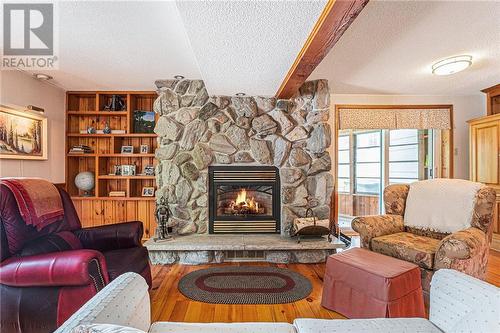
(439, 223)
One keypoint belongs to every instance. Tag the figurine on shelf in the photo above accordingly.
(91, 130)
(162, 214)
(116, 103)
(106, 129)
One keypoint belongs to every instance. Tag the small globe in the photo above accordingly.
(85, 181)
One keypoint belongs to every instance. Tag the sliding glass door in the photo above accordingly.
(369, 160)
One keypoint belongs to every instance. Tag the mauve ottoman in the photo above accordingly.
(363, 284)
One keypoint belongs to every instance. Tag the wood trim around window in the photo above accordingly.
(446, 150)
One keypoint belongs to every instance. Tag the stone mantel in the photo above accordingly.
(196, 130)
(202, 249)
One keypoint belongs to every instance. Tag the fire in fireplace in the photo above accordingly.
(248, 200)
(243, 199)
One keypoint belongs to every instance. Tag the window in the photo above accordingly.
(369, 160)
(403, 156)
(344, 166)
(367, 166)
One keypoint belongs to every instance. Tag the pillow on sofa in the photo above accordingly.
(105, 328)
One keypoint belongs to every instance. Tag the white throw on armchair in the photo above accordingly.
(459, 303)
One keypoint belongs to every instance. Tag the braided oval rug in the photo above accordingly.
(245, 285)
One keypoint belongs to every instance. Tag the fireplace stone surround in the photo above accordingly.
(196, 131)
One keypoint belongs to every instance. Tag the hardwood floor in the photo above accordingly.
(168, 304)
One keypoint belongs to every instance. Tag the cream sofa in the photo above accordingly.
(459, 303)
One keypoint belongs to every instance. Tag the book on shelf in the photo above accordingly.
(117, 193)
(81, 149)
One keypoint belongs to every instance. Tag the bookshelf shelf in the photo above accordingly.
(89, 109)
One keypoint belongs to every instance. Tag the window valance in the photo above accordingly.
(369, 118)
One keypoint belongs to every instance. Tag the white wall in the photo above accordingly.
(18, 88)
(464, 108)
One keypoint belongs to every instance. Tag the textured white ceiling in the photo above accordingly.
(247, 46)
(391, 46)
(241, 46)
(121, 45)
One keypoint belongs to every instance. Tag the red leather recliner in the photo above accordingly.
(46, 275)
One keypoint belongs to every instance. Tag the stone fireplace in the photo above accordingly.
(198, 134)
(243, 199)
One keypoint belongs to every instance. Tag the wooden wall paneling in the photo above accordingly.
(143, 215)
(81, 101)
(73, 124)
(97, 213)
(152, 218)
(87, 213)
(120, 211)
(131, 210)
(109, 212)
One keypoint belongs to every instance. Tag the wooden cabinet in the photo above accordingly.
(492, 99)
(484, 160)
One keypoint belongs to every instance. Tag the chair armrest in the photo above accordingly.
(66, 268)
(464, 244)
(125, 301)
(372, 226)
(111, 237)
(462, 303)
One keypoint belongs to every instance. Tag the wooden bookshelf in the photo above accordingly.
(87, 108)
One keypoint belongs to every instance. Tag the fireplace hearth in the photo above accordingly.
(244, 199)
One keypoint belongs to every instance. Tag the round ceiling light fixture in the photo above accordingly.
(178, 77)
(452, 65)
(42, 77)
(240, 94)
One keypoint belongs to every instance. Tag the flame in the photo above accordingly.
(243, 202)
(241, 198)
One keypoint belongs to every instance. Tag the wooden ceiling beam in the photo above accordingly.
(331, 25)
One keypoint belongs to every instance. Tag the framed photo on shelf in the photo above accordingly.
(128, 170)
(144, 149)
(149, 170)
(148, 191)
(117, 170)
(144, 121)
(127, 150)
(23, 134)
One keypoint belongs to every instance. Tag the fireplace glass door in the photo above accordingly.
(244, 200)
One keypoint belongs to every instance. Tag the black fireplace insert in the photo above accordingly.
(244, 199)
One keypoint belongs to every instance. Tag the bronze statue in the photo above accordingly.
(162, 213)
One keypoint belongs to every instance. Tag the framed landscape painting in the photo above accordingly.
(144, 121)
(23, 134)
